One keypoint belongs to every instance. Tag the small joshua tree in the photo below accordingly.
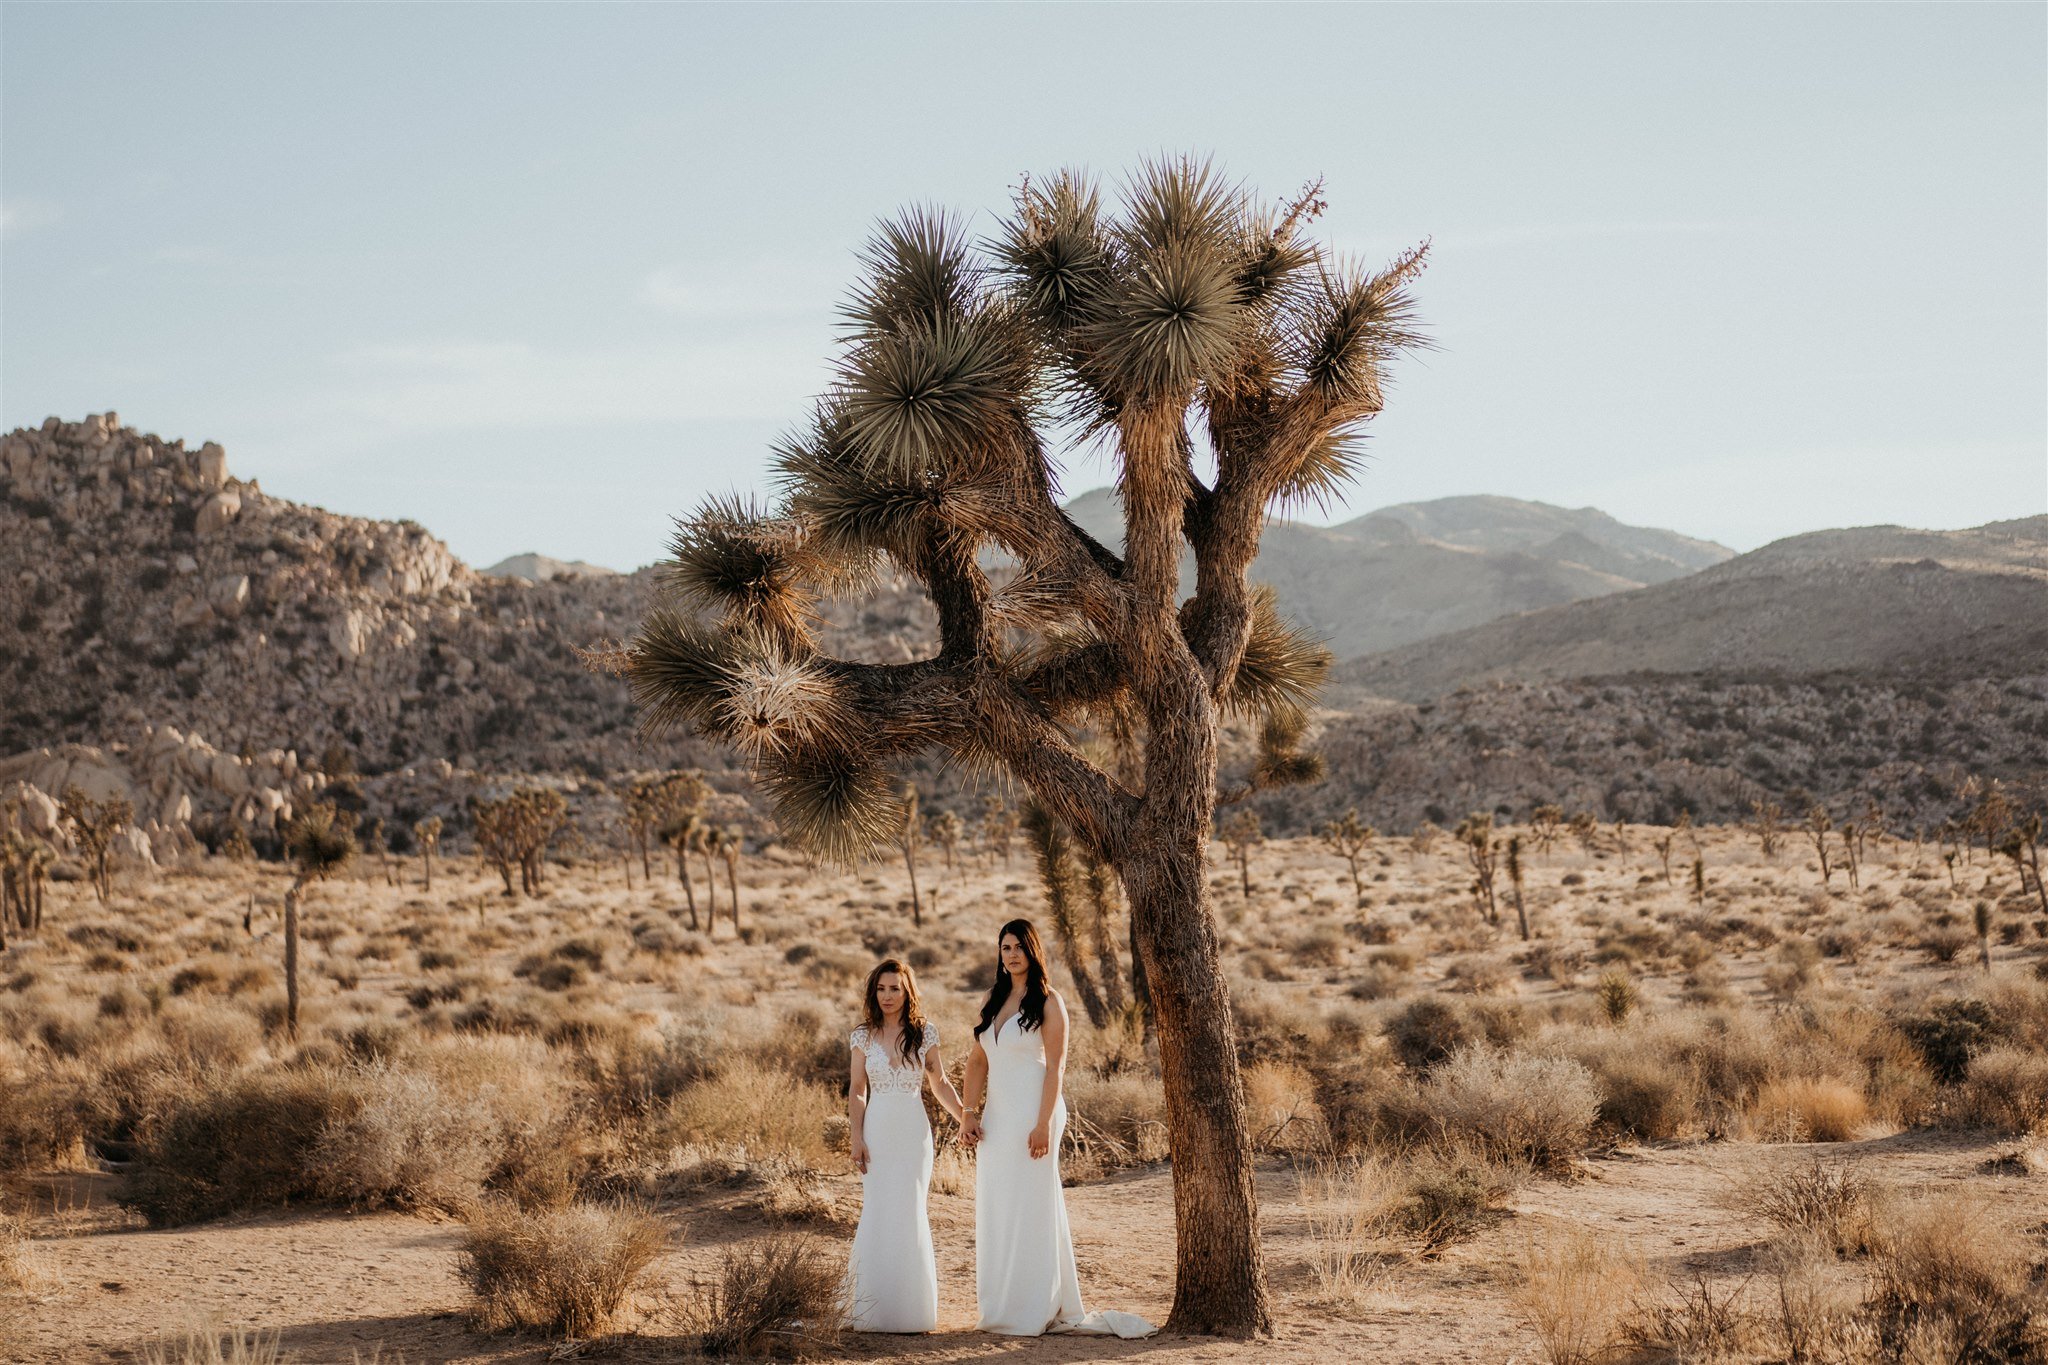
(1980, 916)
(730, 847)
(909, 838)
(1544, 824)
(1053, 848)
(998, 827)
(1818, 826)
(947, 831)
(1699, 879)
(1767, 822)
(318, 843)
(1662, 843)
(1852, 852)
(1349, 839)
(427, 834)
(1240, 833)
(1482, 850)
(1515, 884)
(1184, 327)
(681, 832)
(1585, 827)
(2022, 844)
(94, 824)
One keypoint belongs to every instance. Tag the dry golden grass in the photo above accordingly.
(779, 1297)
(564, 1270)
(1576, 1286)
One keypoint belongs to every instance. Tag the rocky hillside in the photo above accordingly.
(171, 633)
(1415, 570)
(1943, 604)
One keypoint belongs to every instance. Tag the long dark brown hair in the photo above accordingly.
(1032, 1012)
(912, 1041)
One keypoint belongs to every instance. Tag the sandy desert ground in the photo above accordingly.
(1771, 1142)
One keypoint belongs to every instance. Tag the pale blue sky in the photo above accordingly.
(541, 276)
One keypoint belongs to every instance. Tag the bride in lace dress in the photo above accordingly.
(892, 1281)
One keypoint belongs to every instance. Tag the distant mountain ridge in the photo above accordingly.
(539, 568)
(1968, 603)
(1413, 570)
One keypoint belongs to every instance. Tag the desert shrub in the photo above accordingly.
(235, 1346)
(774, 1296)
(1574, 1289)
(1945, 945)
(1429, 1030)
(1951, 1268)
(21, 1263)
(1513, 1105)
(1352, 1210)
(1616, 995)
(1949, 1035)
(1830, 1200)
(1376, 983)
(1116, 1120)
(408, 1141)
(1810, 1109)
(1322, 946)
(1453, 1195)
(1796, 970)
(2007, 1090)
(245, 1142)
(565, 1270)
(744, 1105)
(1646, 1090)
(1280, 1098)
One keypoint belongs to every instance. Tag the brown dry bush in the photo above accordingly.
(210, 1346)
(1116, 1120)
(1951, 1267)
(764, 1112)
(565, 1270)
(1809, 1109)
(243, 1143)
(1574, 1290)
(2006, 1091)
(1513, 1105)
(1831, 1201)
(776, 1297)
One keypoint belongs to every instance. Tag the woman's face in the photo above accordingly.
(1014, 961)
(889, 994)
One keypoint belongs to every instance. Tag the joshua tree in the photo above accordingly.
(1980, 915)
(948, 829)
(1515, 884)
(682, 830)
(318, 843)
(909, 837)
(1184, 319)
(1424, 838)
(1852, 851)
(1348, 839)
(1544, 823)
(1621, 840)
(1699, 879)
(1585, 826)
(1818, 824)
(94, 824)
(998, 826)
(1101, 884)
(1482, 850)
(427, 833)
(729, 850)
(2022, 844)
(1053, 848)
(1662, 843)
(1766, 821)
(1240, 832)
(497, 842)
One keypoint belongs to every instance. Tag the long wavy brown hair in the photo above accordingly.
(912, 1041)
(1031, 1013)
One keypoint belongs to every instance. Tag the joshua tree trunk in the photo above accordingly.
(732, 891)
(1221, 1285)
(291, 957)
(427, 865)
(683, 875)
(916, 907)
(1108, 969)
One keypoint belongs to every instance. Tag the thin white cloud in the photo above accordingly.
(499, 385)
(24, 215)
(743, 291)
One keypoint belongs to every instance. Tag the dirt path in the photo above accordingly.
(335, 1286)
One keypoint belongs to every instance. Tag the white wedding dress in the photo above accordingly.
(1024, 1270)
(892, 1279)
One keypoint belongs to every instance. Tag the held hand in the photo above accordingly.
(970, 1133)
(1040, 1141)
(860, 1156)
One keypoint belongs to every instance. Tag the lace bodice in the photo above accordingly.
(888, 1073)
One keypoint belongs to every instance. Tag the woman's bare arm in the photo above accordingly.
(1054, 1029)
(857, 1110)
(942, 1087)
